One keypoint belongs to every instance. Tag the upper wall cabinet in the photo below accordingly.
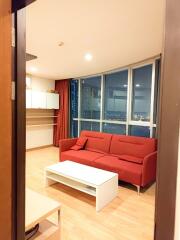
(41, 100)
(52, 100)
(38, 100)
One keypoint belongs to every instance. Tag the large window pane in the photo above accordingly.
(92, 126)
(114, 128)
(115, 96)
(74, 98)
(156, 90)
(155, 132)
(140, 131)
(74, 107)
(74, 128)
(141, 99)
(90, 98)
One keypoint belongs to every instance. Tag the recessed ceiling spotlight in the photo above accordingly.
(88, 57)
(60, 44)
(33, 69)
(138, 85)
(125, 85)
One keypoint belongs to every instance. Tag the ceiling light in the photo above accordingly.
(138, 85)
(33, 69)
(88, 57)
(125, 85)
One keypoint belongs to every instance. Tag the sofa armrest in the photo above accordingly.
(66, 144)
(149, 169)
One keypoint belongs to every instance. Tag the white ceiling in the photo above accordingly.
(115, 32)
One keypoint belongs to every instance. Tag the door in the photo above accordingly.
(169, 121)
(169, 125)
(19, 121)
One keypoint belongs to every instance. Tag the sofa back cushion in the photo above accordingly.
(130, 145)
(80, 144)
(97, 142)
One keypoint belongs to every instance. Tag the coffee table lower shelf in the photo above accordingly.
(39, 210)
(47, 231)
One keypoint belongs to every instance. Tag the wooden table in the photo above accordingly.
(38, 210)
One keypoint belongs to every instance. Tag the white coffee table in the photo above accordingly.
(38, 210)
(96, 182)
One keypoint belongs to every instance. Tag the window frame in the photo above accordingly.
(129, 122)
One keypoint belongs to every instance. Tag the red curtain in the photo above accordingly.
(61, 129)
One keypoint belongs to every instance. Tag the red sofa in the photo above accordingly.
(133, 158)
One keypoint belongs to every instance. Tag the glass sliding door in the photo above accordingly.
(115, 96)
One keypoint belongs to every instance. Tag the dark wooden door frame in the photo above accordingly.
(169, 124)
(19, 127)
(19, 120)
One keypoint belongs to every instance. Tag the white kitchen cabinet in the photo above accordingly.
(41, 100)
(52, 101)
(28, 98)
(38, 100)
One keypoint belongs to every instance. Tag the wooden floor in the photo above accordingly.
(128, 217)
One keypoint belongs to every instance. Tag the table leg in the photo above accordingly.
(106, 192)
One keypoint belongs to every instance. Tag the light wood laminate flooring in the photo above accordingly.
(128, 217)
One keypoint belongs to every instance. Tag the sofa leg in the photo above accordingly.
(138, 190)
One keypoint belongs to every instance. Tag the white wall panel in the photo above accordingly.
(39, 136)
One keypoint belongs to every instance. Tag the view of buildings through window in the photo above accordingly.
(120, 102)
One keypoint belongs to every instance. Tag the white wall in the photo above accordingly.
(177, 225)
(40, 136)
(42, 84)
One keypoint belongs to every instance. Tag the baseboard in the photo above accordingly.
(39, 148)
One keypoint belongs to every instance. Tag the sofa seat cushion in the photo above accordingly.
(130, 158)
(127, 171)
(81, 156)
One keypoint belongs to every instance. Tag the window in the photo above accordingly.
(74, 107)
(141, 93)
(156, 90)
(92, 126)
(74, 98)
(115, 95)
(114, 128)
(90, 98)
(139, 131)
(74, 128)
(121, 102)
